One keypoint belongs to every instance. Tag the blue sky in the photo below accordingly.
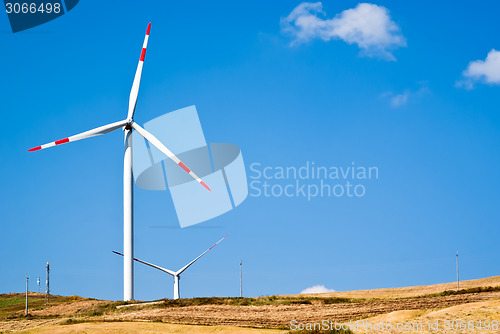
(287, 92)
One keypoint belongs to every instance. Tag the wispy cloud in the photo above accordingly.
(397, 100)
(400, 99)
(316, 289)
(482, 71)
(367, 25)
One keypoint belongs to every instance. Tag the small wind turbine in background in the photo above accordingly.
(175, 274)
(128, 125)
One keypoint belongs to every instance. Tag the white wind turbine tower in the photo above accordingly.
(128, 125)
(176, 274)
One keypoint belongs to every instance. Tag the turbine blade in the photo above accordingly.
(134, 92)
(190, 263)
(87, 134)
(151, 265)
(158, 144)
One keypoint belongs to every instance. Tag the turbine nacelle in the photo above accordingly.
(128, 126)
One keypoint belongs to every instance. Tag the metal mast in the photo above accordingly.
(26, 311)
(47, 291)
(241, 279)
(458, 280)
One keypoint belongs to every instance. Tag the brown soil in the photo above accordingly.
(279, 316)
(70, 308)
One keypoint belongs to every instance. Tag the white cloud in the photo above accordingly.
(486, 71)
(367, 25)
(316, 289)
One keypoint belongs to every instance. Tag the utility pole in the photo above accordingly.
(458, 280)
(26, 311)
(241, 279)
(47, 291)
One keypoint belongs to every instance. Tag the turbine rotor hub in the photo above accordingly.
(128, 126)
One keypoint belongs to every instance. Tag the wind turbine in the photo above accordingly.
(175, 274)
(128, 125)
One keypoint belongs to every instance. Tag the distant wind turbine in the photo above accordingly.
(176, 274)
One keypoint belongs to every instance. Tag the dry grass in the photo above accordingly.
(479, 311)
(412, 291)
(480, 300)
(279, 316)
(141, 327)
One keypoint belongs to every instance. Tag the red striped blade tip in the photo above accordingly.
(35, 149)
(149, 28)
(205, 185)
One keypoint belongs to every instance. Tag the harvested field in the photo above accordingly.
(478, 301)
(414, 291)
(279, 316)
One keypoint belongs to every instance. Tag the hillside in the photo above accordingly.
(413, 291)
(477, 300)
